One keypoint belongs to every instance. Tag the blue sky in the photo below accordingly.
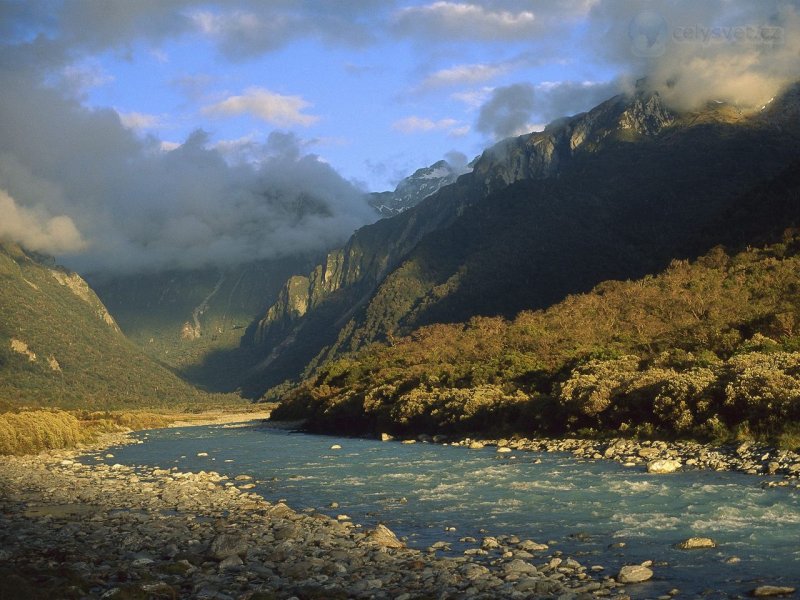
(151, 134)
(398, 92)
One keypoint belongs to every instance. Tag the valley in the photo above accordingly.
(407, 300)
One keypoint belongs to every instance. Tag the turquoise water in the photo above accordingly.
(580, 508)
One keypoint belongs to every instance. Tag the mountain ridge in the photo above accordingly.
(593, 162)
(60, 347)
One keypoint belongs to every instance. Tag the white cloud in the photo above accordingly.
(137, 120)
(36, 230)
(464, 75)
(473, 98)
(167, 146)
(268, 106)
(459, 20)
(414, 124)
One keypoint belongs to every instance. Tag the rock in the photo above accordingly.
(142, 562)
(336, 447)
(242, 478)
(385, 537)
(764, 591)
(696, 543)
(634, 574)
(202, 454)
(531, 546)
(518, 566)
(231, 562)
(284, 532)
(476, 445)
(228, 544)
(385, 437)
(504, 450)
(647, 452)
(665, 465)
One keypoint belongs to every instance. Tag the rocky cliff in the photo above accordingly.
(415, 188)
(611, 193)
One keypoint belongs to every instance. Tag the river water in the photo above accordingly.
(582, 508)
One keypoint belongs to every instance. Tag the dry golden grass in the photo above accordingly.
(27, 432)
(31, 430)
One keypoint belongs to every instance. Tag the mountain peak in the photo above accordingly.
(415, 188)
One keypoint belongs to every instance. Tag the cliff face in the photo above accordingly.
(543, 154)
(611, 193)
(374, 250)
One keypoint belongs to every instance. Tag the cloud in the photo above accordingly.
(456, 20)
(35, 230)
(508, 111)
(473, 98)
(414, 124)
(555, 99)
(693, 52)
(469, 74)
(268, 106)
(250, 29)
(137, 120)
(142, 204)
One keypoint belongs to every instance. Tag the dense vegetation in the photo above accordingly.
(618, 209)
(708, 349)
(59, 347)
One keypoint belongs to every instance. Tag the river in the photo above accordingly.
(599, 512)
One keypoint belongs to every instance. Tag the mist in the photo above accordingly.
(81, 185)
(692, 53)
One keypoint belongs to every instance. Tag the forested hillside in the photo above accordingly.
(614, 193)
(59, 346)
(706, 349)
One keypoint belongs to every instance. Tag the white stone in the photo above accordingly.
(664, 465)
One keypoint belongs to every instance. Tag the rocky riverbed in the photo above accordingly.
(71, 530)
(656, 456)
(75, 530)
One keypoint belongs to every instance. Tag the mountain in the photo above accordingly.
(708, 349)
(60, 347)
(414, 189)
(614, 193)
(193, 320)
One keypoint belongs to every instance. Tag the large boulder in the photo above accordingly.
(383, 536)
(696, 543)
(634, 574)
(228, 544)
(664, 465)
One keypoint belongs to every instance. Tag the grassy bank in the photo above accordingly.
(28, 431)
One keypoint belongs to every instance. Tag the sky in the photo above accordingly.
(152, 134)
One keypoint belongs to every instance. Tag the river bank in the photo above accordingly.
(656, 456)
(72, 530)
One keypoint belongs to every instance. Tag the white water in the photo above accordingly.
(580, 508)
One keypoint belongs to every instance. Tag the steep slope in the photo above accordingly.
(193, 320)
(59, 346)
(708, 349)
(414, 189)
(613, 193)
